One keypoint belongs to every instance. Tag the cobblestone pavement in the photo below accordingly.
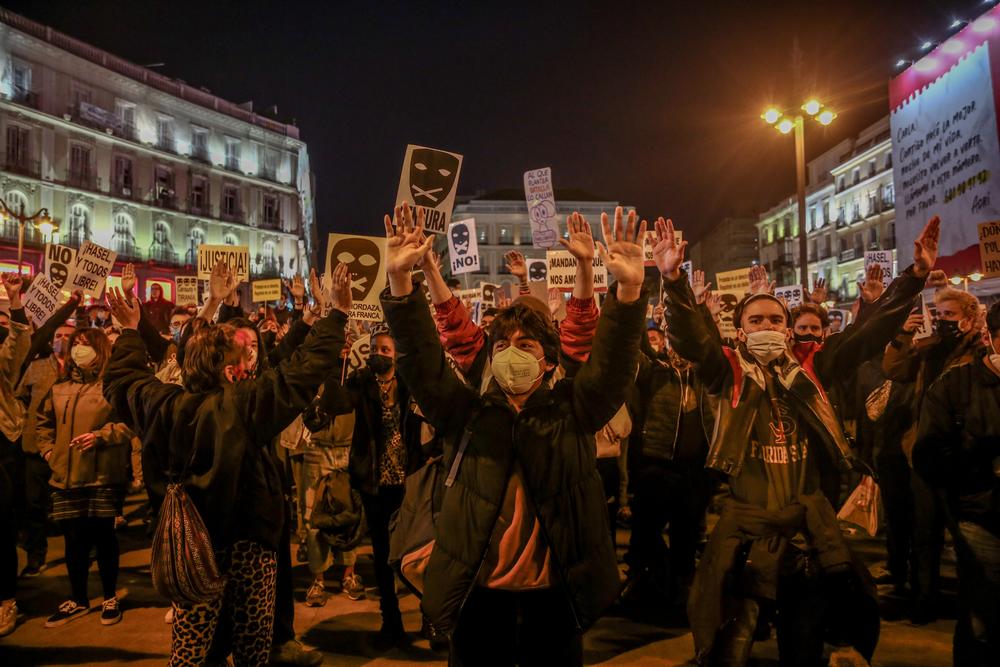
(343, 629)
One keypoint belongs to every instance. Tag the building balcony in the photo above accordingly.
(273, 224)
(127, 132)
(232, 164)
(201, 155)
(125, 191)
(127, 250)
(163, 255)
(164, 198)
(200, 208)
(16, 164)
(268, 174)
(9, 233)
(26, 98)
(232, 216)
(84, 180)
(76, 238)
(166, 143)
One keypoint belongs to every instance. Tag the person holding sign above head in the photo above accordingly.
(522, 563)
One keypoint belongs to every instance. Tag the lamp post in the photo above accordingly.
(40, 218)
(795, 122)
(964, 280)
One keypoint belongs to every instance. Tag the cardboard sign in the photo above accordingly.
(989, 248)
(364, 257)
(186, 290)
(41, 300)
(467, 296)
(791, 294)
(463, 247)
(93, 266)
(538, 270)
(687, 267)
(541, 200)
(649, 242)
(561, 272)
(236, 257)
(489, 293)
(265, 290)
(733, 281)
(731, 286)
(60, 263)
(357, 358)
(839, 319)
(430, 180)
(883, 257)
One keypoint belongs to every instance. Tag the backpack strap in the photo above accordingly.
(462, 446)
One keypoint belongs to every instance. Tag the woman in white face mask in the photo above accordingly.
(89, 458)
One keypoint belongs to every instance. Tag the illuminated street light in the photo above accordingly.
(771, 115)
(975, 277)
(786, 125)
(826, 117)
(812, 107)
(40, 217)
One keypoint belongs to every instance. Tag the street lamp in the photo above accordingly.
(786, 123)
(40, 219)
(975, 277)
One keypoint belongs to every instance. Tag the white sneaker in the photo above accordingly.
(8, 617)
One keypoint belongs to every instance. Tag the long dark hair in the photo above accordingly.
(98, 340)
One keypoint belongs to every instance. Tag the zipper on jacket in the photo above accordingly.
(680, 413)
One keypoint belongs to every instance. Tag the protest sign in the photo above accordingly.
(489, 293)
(265, 290)
(541, 200)
(364, 257)
(561, 271)
(430, 180)
(731, 286)
(792, 295)
(839, 319)
(469, 295)
(186, 288)
(93, 266)
(945, 149)
(687, 267)
(358, 356)
(926, 329)
(989, 248)
(41, 300)
(60, 262)
(538, 270)
(463, 247)
(649, 242)
(236, 257)
(883, 257)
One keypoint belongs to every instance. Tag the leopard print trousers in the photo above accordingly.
(248, 603)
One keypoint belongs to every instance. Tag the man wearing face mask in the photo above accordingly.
(958, 451)
(777, 544)
(522, 563)
(955, 342)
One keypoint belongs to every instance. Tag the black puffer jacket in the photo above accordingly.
(552, 439)
(234, 480)
(663, 384)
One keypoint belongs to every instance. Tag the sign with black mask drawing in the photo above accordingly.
(430, 180)
(364, 257)
(463, 247)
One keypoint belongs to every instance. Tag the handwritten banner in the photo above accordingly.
(541, 198)
(93, 266)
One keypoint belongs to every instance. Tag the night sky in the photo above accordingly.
(654, 104)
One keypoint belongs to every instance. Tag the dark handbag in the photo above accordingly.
(182, 562)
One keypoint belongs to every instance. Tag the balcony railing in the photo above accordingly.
(127, 250)
(165, 142)
(85, 180)
(162, 255)
(76, 238)
(129, 132)
(16, 164)
(126, 191)
(8, 232)
(163, 198)
(27, 98)
(200, 208)
(200, 153)
(268, 174)
(848, 255)
(273, 223)
(232, 216)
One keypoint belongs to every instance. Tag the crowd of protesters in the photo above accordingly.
(489, 460)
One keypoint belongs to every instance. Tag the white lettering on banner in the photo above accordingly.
(41, 300)
(792, 295)
(186, 290)
(358, 357)
(93, 266)
(946, 157)
(884, 258)
(541, 199)
(430, 181)
(237, 258)
(561, 271)
(463, 247)
(364, 258)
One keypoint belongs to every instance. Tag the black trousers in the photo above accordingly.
(668, 494)
(82, 534)
(8, 526)
(379, 509)
(525, 628)
(37, 501)
(928, 541)
(897, 500)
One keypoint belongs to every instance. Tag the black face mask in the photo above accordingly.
(808, 338)
(4, 332)
(269, 337)
(947, 330)
(380, 363)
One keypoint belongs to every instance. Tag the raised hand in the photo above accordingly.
(318, 295)
(580, 243)
(12, 282)
(341, 294)
(925, 248)
(405, 241)
(221, 283)
(713, 301)
(123, 308)
(516, 265)
(871, 287)
(758, 281)
(623, 254)
(818, 295)
(936, 279)
(667, 253)
(298, 289)
(698, 285)
(128, 280)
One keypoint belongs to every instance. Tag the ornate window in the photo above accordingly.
(123, 239)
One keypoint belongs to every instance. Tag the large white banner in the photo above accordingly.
(946, 158)
(541, 200)
(463, 247)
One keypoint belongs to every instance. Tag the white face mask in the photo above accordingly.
(516, 371)
(766, 346)
(83, 355)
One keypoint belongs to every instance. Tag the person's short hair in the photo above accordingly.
(531, 323)
(811, 309)
(97, 339)
(490, 312)
(745, 301)
(206, 356)
(453, 283)
(180, 310)
(993, 319)
(968, 303)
